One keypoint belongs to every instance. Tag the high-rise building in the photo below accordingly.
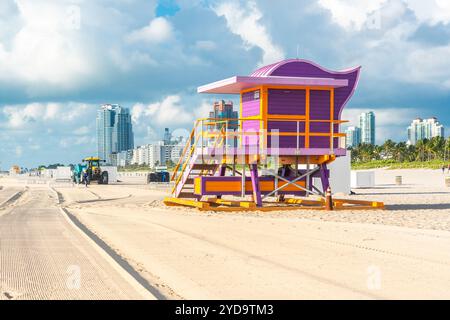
(123, 138)
(224, 110)
(424, 129)
(167, 136)
(353, 136)
(114, 131)
(415, 131)
(367, 126)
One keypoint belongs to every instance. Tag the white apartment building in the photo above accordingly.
(175, 153)
(149, 154)
(424, 129)
(154, 155)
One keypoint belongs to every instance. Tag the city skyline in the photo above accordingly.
(169, 148)
(418, 129)
(364, 132)
(153, 62)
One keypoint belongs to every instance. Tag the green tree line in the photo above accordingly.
(434, 149)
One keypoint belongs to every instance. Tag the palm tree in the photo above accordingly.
(389, 148)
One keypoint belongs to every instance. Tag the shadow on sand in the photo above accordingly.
(418, 206)
(400, 193)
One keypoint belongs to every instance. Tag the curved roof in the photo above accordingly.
(274, 68)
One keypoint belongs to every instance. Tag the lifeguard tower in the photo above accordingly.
(287, 133)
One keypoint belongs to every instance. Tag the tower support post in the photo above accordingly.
(255, 185)
(324, 177)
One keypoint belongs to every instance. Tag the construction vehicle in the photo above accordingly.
(92, 166)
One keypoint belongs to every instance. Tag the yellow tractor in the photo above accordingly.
(92, 167)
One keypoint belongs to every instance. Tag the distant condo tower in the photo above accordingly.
(424, 129)
(353, 136)
(367, 126)
(114, 131)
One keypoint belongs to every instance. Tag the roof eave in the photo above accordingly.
(236, 84)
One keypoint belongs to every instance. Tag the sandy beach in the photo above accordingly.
(400, 252)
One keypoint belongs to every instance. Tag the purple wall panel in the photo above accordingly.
(288, 102)
(250, 105)
(285, 126)
(250, 108)
(319, 127)
(319, 105)
(288, 142)
(319, 142)
(251, 126)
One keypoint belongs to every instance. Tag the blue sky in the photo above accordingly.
(59, 60)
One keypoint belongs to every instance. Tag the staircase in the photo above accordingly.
(185, 187)
(193, 163)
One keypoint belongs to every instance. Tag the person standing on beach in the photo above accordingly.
(85, 178)
(443, 169)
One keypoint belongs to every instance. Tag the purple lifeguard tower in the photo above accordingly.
(288, 131)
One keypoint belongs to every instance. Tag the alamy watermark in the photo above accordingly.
(374, 277)
(73, 281)
(72, 18)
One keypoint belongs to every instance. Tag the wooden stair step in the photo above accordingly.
(204, 166)
(187, 195)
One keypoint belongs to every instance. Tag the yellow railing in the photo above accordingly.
(183, 153)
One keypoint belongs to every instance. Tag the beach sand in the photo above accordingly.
(400, 252)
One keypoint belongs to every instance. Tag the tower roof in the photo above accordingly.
(290, 72)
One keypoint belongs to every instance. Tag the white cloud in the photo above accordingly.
(206, 45)
(431, 11)
(82, 131)
(158, 30)
(71, 141)
(246, 22)
(350, 14)
(35, 147)
(24, 116)
(169, 111)
(203, 110)
(45, 50)
(389, 50)
(357, 15)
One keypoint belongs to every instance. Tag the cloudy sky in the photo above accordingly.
(59, 60)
